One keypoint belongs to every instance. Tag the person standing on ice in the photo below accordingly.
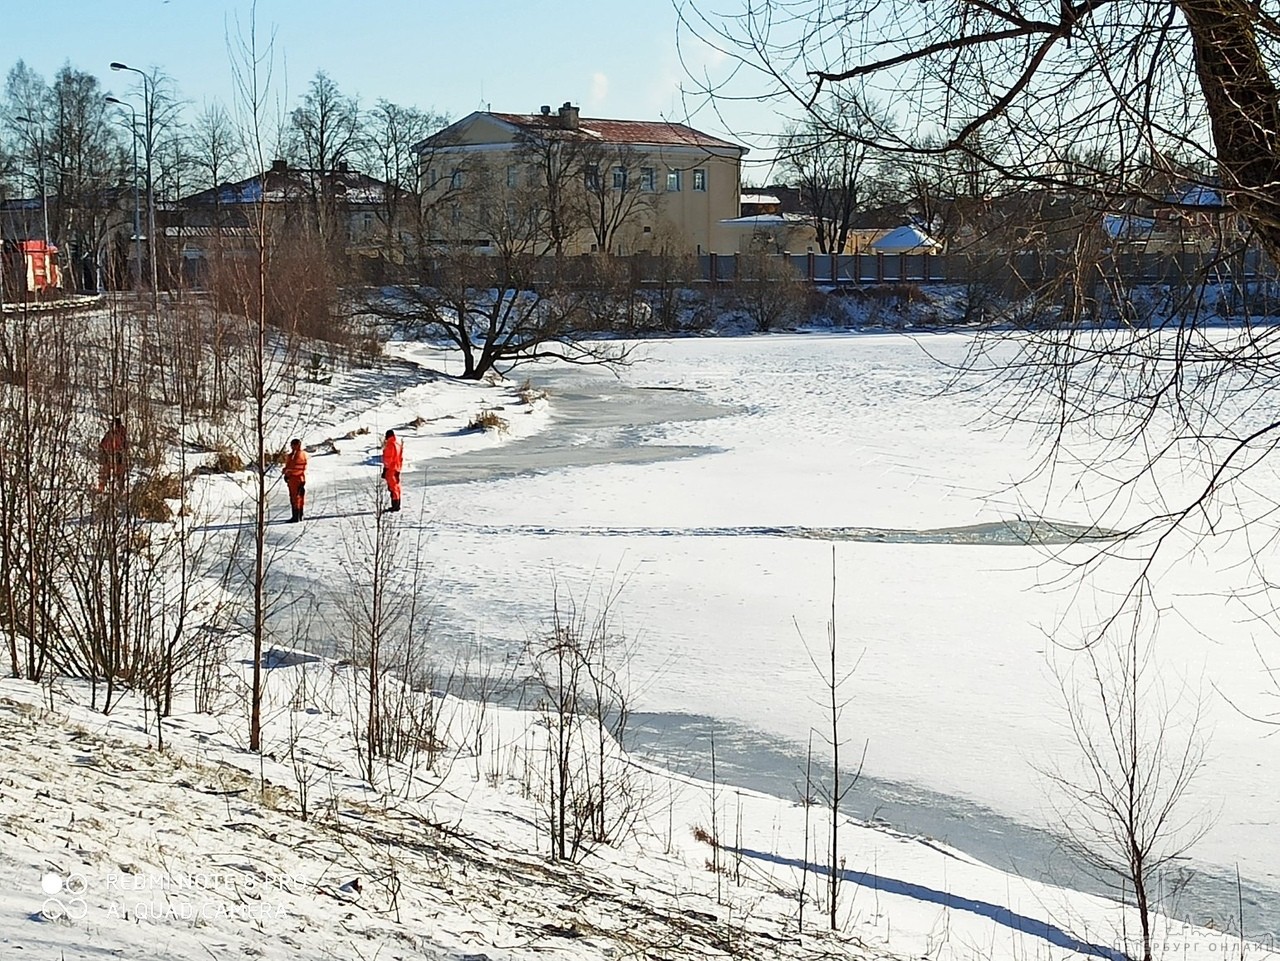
(112, 461)
(295, 477)
(392, 461)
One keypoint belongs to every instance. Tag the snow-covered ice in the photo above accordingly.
(725, 564)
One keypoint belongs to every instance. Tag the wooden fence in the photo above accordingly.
(1028, 269)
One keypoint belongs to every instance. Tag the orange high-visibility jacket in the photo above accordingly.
(295, 467)
(392, 454)
(113, 441)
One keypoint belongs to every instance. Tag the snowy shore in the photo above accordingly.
(202, 848)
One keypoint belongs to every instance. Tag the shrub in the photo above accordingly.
(529, 394)
(225, 461)
(769, 292)
(488, 420)
(150, 497)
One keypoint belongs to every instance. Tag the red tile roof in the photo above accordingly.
(660, 132)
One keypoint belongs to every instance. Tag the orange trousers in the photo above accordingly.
(297, 492)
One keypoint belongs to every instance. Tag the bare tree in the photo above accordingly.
(159, 125)
(39, 491)
(552, 186)
(375, 614)
(389, 133)
(500, 304)
(768, 290)
(669, 270)
(1043, 85)
(619, 189)
(1123, 805)
(27, 95)
(252, 64)
(835, 679)
(1105, 109)
(832, 171)
(74, 160)
(90, 167)
(579, 667)
(216, 149)
(325, 137)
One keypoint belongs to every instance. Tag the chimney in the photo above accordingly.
(546, 110)
(569, 116)
(279, 166)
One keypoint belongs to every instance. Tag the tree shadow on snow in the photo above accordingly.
(275, 657)
(279, 521)
(995, 912)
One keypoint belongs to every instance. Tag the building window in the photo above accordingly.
(432, 178)
(646, 179)
(591, 177)
(513, 176)
(619, 178)
(699, 180)
(673, 180)
(456, 178)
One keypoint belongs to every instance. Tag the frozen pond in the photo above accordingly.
(710, 481)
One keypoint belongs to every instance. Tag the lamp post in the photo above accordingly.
(44, 196)
(137, 203)
(148, 106)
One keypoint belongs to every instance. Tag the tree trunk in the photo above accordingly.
(1243, 107)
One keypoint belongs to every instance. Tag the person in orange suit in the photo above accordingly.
(112, 457)
(295, 476)
(392, 461)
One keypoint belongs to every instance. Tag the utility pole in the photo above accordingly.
(148, 121)
(137, 204)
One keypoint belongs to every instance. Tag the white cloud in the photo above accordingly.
(599, 88)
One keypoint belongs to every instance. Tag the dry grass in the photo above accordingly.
(224, 461)
(150, 497)
(529, 394)
(489, 420)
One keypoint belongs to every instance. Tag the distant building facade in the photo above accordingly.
(342, 211)
(615, 186)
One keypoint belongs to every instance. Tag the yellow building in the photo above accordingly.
(583, 184)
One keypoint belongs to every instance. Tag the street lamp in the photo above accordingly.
(148, 105)
(137, 205)
(44, 196)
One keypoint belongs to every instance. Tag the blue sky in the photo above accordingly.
(614, 58)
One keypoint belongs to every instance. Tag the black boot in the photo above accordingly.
(295, 516)
(395, 504)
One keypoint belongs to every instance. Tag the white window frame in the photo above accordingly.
(700, 180)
